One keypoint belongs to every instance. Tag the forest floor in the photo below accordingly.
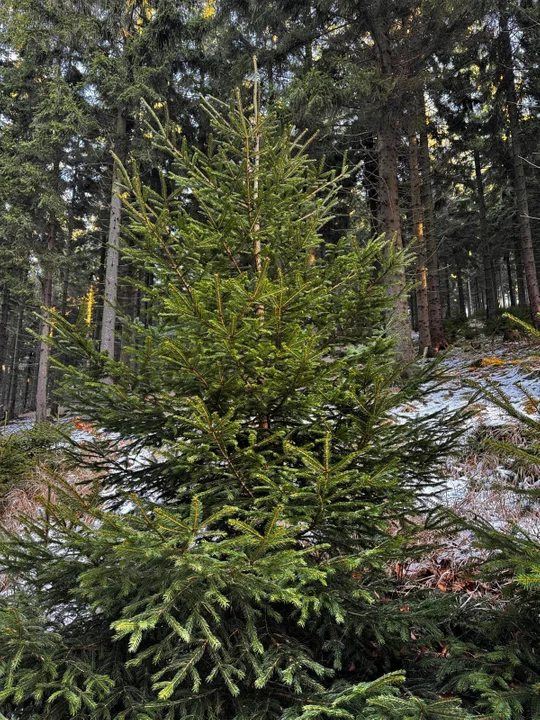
(479, 470)
(481, 480)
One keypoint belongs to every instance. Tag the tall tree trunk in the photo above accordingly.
(478, 295)
(28, 380)
(424, 337)
(511, 287)
(14, 375)
(44, 348)
(388, 214)
(390, 225)
(371, 184)
(470, 298)
(520, 183)
(4, 319)
(520, 275)
(500, 283)
(485, 248)
(413, 307)
(446, 293)
(108, 322)
(461, 291)
(436, 326)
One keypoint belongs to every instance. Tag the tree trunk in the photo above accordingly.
(28, 380)
(14, 375)
(4, 319)
(436, 326)
(390, 225)
(108, 323)
(511, 288)
(424, 337)
(44, 348)
(413, 307)
(520, 184)
(461, 292)
(470, 298)
(400, 323)
(446, 291)
(520, 275)
(478, 295)
(370, 180)
(485, 249)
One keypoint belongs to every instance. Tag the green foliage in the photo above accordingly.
(457, 328)
(504, 322)
(233, 561)
(232, 619)
(22, 452)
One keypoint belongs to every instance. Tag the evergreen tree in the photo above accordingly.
(230, 561)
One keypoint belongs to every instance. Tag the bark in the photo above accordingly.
(511, 287)
(424, 337)
(110, 292)
(485, 245)
(4, 319)
(44, 347)
(389, 219)
(520, 276)
(371, 184)
(28, 380)
(436, 326)
(14, 375)
(470, 298)
(461, 291)
(447, 291)
(390, 225)
(520, 183)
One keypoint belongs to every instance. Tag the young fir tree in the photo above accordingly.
(230, 561)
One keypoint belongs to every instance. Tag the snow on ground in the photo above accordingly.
(511, 368)
(480, 479)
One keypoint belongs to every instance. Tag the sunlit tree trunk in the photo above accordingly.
(436, 326)
(44, 347)
(424, 336)
(110, 292)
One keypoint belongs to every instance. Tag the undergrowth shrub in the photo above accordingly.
(502, 324)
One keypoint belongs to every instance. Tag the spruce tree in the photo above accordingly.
(253, 477)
